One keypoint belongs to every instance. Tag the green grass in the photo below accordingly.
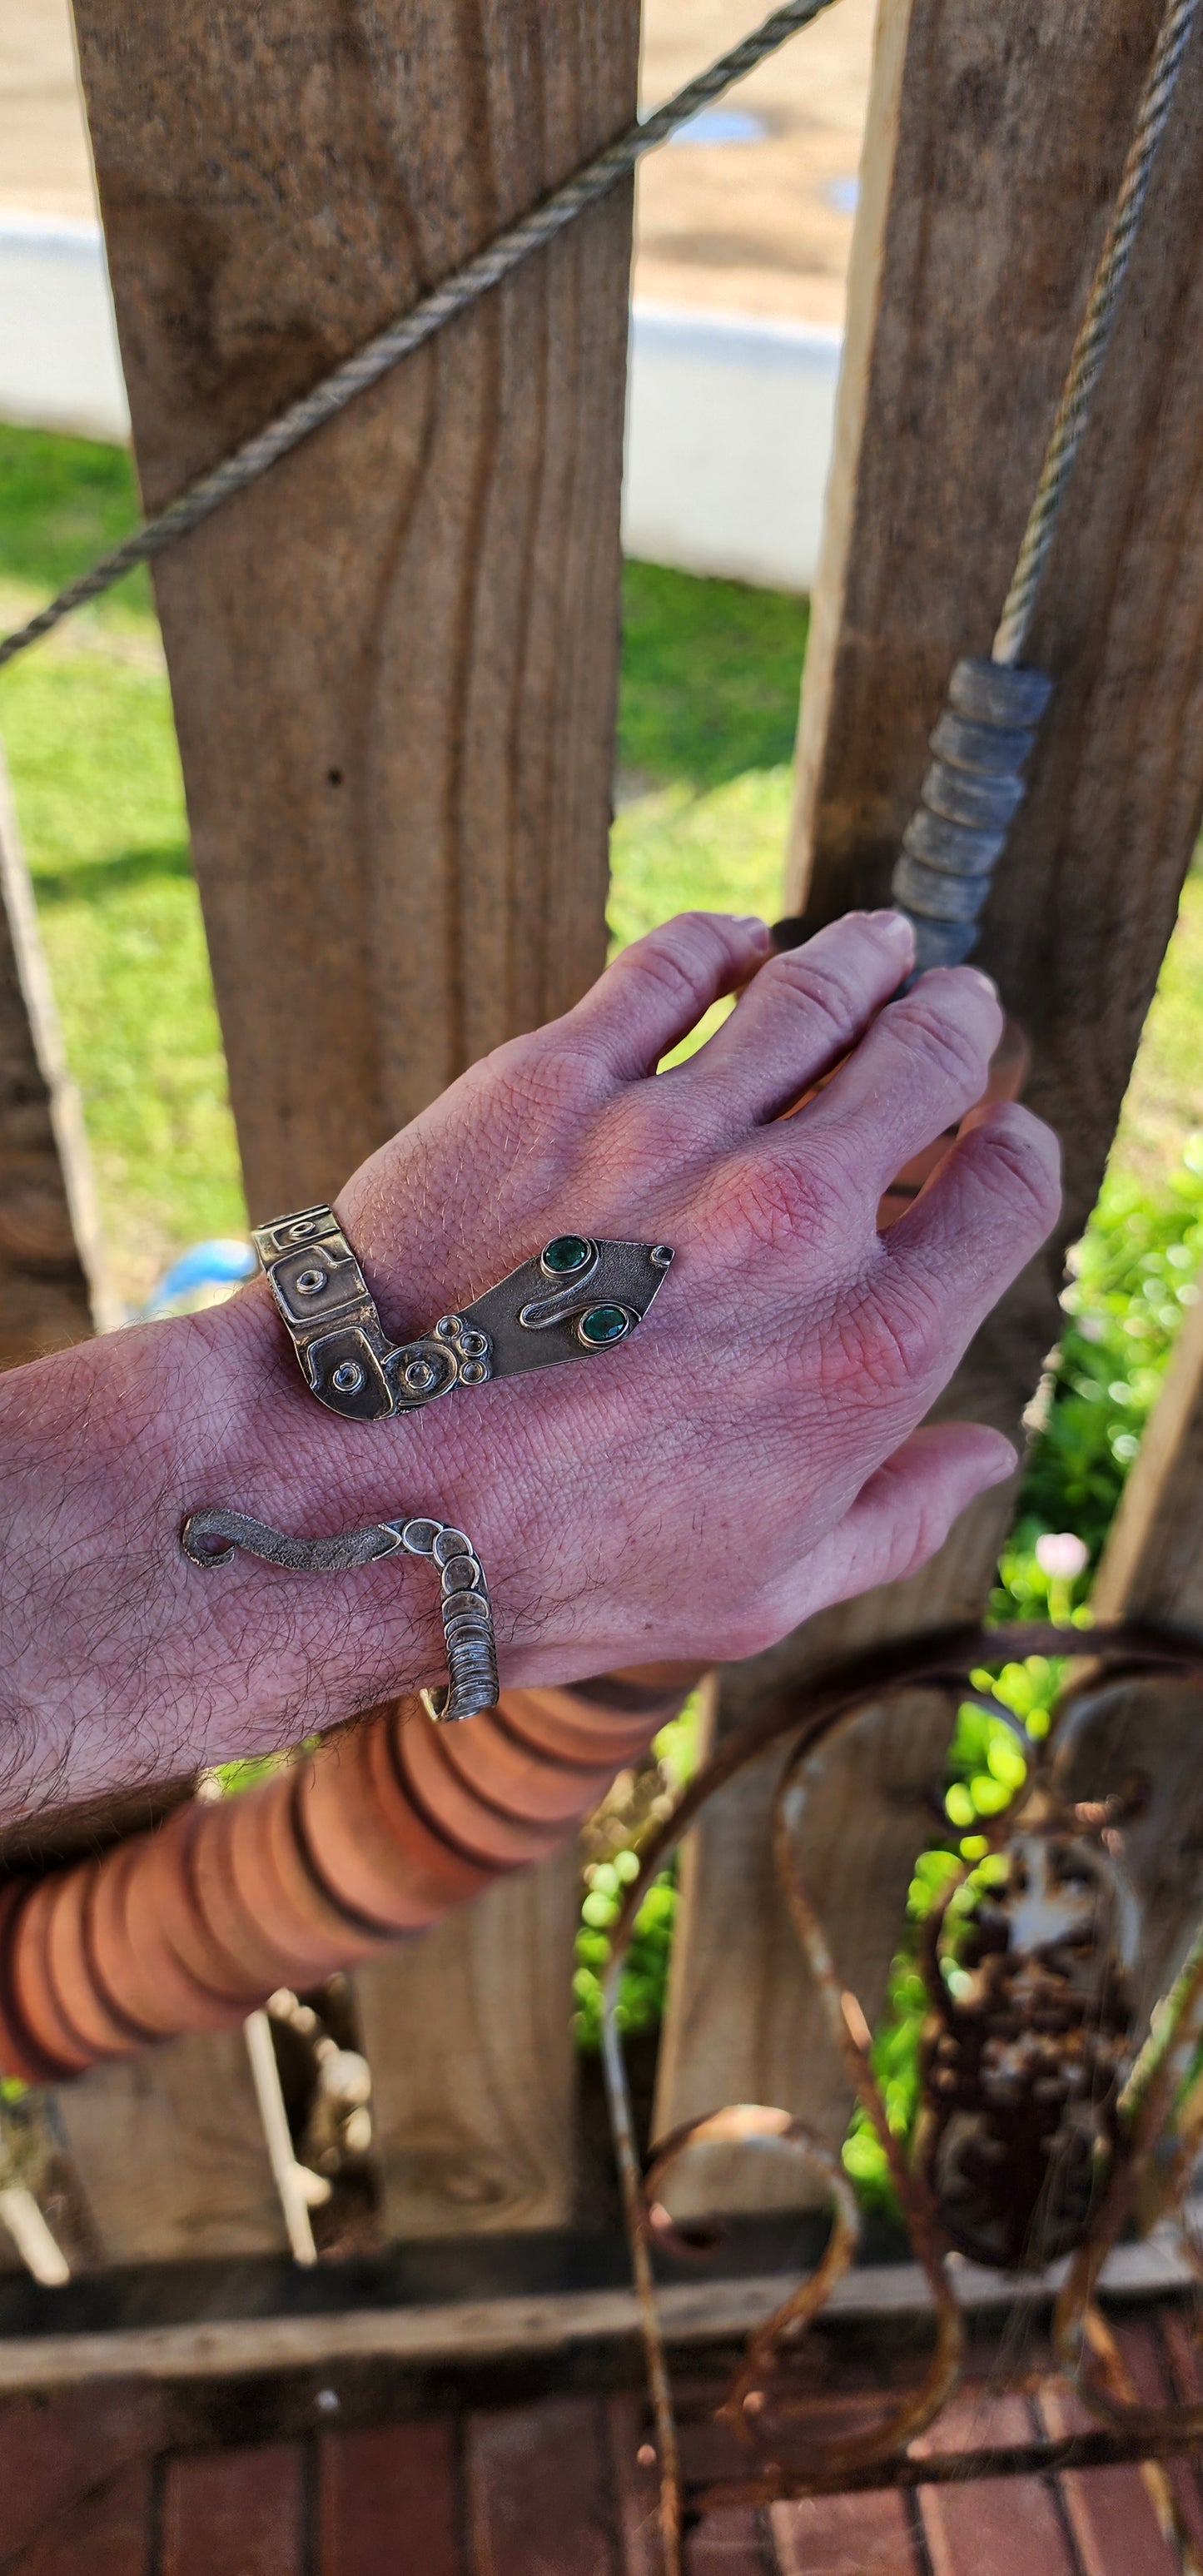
(63, 501)
(709, 685)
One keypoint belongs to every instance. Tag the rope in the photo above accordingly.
(323, 403)
(1093, 339)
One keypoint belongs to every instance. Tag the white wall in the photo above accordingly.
(729, 430)
(729, 421)
(59, 366)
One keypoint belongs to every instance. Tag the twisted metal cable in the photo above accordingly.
(325, 400)
(1093, 339)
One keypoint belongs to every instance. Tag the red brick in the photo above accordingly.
(1163, 2361)
(990, 2526)
(105, 2533)
(1109, 2510)
(539, 2501)
(388, 2503)
(233, 2513)
(848, 2535)
(55, 2450)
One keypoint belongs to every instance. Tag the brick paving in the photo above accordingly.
(553, 2488)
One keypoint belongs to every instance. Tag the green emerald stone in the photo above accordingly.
(566, 1253)
(603, 1324)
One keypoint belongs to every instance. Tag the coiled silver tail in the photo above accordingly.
(210, 1536)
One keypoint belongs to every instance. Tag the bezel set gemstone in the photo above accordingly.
(602, 1326)
(565, 1255)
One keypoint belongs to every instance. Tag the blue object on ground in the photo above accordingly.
(219, 1263)
(721, 125)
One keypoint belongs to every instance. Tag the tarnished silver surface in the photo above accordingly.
(210, 1536)
(579, 1295)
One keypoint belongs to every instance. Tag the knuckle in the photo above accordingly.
(1017, 1169)
(820, 984)
(682, 957)
(923, 1531)
(925, 1025)
(554, 1073)
(783, 1203)
(881, 1345)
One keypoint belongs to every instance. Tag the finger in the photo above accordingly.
(904, 1512)
(658, 989)
(974, 1226)
(805, 1009)
(923, 1063)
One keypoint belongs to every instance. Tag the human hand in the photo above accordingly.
(752, 1454)
(749, 1455)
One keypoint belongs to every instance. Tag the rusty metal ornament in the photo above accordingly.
(1028, 2040)
(1042, 2115)
(210, 1536)
(579, 1296)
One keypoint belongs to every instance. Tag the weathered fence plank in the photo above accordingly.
(994, 144)
(393, 663)
(1152, 1566)
(1148, 1733)
(52, 1286)
(169, 2148)
(473, 2091)
(51, 1276)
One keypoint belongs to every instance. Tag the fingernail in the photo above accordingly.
(758, 931)
(896, 927)
(1005, 1465)
(987, 982)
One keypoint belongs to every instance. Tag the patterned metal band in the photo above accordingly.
(209, 1537)
(576, 1297)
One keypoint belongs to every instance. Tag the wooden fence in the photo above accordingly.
(393, 666)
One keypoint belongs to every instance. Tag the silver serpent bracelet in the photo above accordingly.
(210, 1536)
(579, 1296)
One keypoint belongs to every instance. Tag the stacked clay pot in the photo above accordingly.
(378, 1833)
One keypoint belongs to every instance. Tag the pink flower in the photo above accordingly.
(1062, 1554)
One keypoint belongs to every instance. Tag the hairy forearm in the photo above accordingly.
(122, 1660)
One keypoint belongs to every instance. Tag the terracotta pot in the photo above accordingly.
(376, 1834)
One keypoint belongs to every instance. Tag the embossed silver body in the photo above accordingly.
(579, 1295)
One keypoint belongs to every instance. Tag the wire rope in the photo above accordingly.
(431, 313)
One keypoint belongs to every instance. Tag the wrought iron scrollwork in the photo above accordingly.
(1032, 2059)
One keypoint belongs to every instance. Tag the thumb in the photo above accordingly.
(905, 1511)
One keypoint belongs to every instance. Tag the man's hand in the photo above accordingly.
(749, 1456)
(752, 1455)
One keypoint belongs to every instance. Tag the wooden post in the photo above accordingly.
(994, 146)
(473, 2092)
(170, 2151)
(393, 663)
(52, 1286)
(1152, 1568)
